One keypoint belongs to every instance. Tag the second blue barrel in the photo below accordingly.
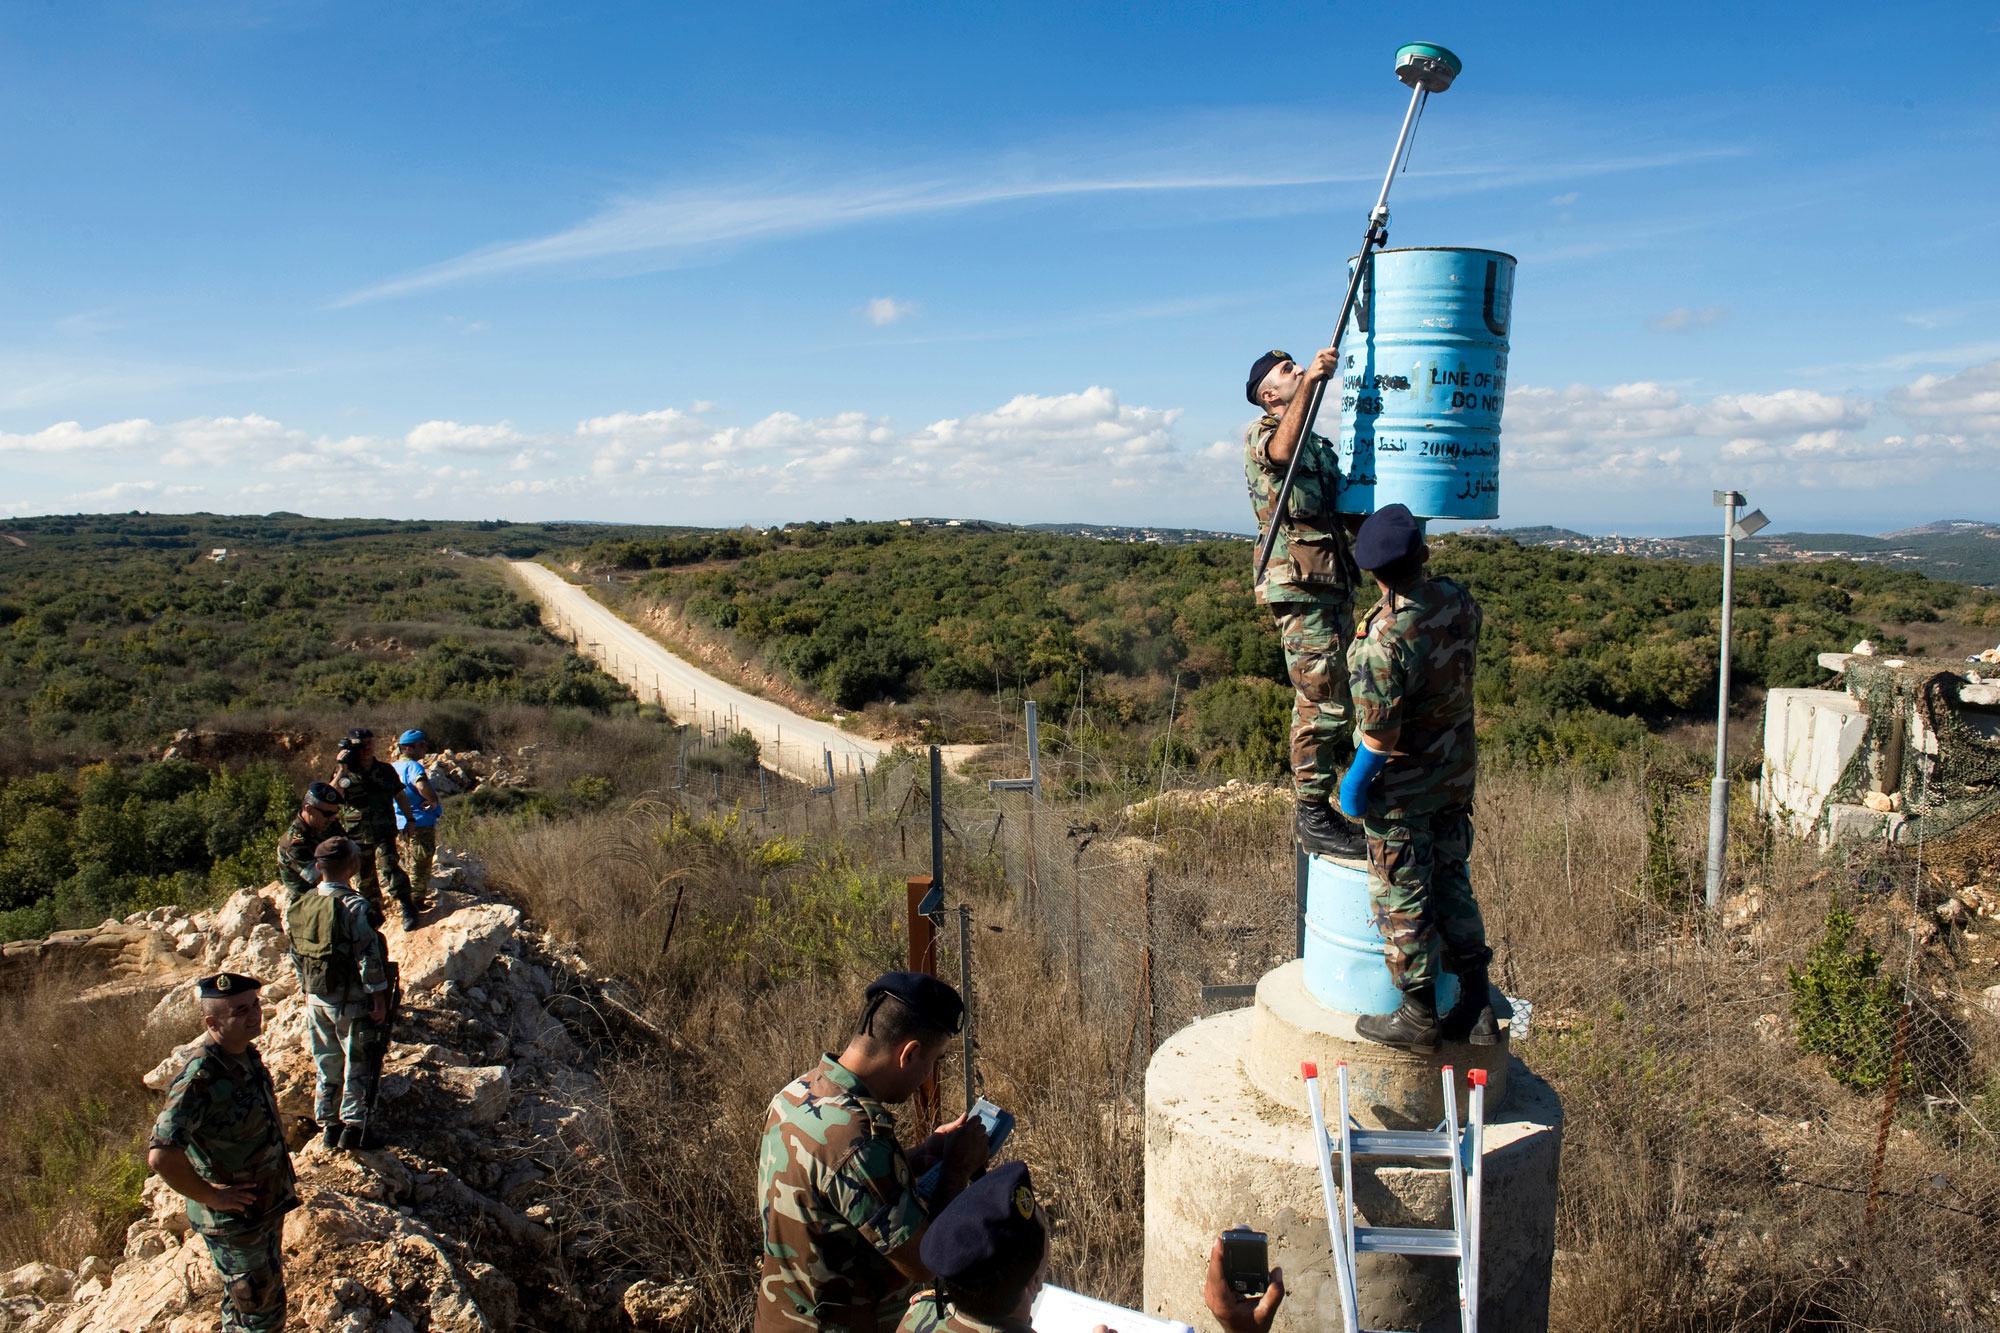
(1423, 376)
(1345, 968)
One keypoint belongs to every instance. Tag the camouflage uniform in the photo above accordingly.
(837, 1197)
(223, 1113)
(296, 870)
(345, 1040)
(368, 816)
(1412, 666)
(927, 1315)
(1309, 586)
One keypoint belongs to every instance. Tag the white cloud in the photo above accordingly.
(124, 492)
(1683, 318)
(70, 437)
(1068, 435)
(434, 437)
(1968, 402)
(886, 310)
(208, 441)
(1564, 200)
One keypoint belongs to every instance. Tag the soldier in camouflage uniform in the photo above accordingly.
(842, 1215)
(1411, 784)
(1308, 584)
(989, 1255)
(989, 1252)
(371, 793)
(313, 824)
(219, 1143)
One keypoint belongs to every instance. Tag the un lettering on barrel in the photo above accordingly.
(1423, 380)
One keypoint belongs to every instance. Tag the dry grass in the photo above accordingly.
(1713, 1176)
(73, 1121)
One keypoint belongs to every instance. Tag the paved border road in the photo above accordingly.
(793, 744)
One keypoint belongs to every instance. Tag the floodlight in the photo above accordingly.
(1750, 525)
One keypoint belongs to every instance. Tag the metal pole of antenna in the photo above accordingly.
(1718, 787)
(1378, 232)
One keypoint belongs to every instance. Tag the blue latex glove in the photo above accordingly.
(1361, 774)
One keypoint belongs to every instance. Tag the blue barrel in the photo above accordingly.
(1423, 370)
(1343, 953)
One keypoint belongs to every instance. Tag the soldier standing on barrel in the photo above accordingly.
(1308, 585)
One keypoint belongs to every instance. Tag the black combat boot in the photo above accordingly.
(1414, 1025)
(1329, 834)
(330, 1136)
(1471, 1018)
(409, 911)
(357, 1138)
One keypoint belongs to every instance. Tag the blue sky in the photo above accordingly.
(669, 264)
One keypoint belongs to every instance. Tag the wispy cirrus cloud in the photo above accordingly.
(1258, 156)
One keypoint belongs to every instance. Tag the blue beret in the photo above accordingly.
(1259, 368)
(413, 737)
(988, 1239)
(1388, 535)
(935, 1004)
(225, 984)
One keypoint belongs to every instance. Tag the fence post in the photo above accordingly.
(965, 993)
(923, 958)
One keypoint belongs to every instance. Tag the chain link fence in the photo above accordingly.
(1815, 1069)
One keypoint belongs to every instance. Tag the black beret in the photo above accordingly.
(933, 1003)
(988, 1239)
(334, 848)
(359, 735)
(225, 984)
(322, 793)
(1388, 535)
(1259, 368)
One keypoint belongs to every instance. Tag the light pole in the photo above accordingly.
(1734, 530)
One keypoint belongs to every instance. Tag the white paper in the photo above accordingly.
(1060, 1311)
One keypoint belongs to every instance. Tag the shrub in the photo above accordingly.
(1844, 1009)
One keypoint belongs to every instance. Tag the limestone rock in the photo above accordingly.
(459, 948)
(1989, 1000)
(38, 1279)
(245, 910)
(483, 1091)
(1879, 801)
(161, 1076)
(658, 1305)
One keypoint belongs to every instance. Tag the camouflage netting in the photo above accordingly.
(1960, 782)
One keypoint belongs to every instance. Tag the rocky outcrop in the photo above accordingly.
(451, 1228)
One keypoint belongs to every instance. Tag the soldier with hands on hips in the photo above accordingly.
(218, 1143)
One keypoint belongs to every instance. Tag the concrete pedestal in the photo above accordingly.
(1222, 1151)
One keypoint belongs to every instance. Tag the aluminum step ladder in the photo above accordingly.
(1464, 1154)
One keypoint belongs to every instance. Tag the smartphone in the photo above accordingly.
(1246, 1263)
(997, 1123)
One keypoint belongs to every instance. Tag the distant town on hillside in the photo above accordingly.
(1963, 550)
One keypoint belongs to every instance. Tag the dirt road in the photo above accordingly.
(791, 743)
